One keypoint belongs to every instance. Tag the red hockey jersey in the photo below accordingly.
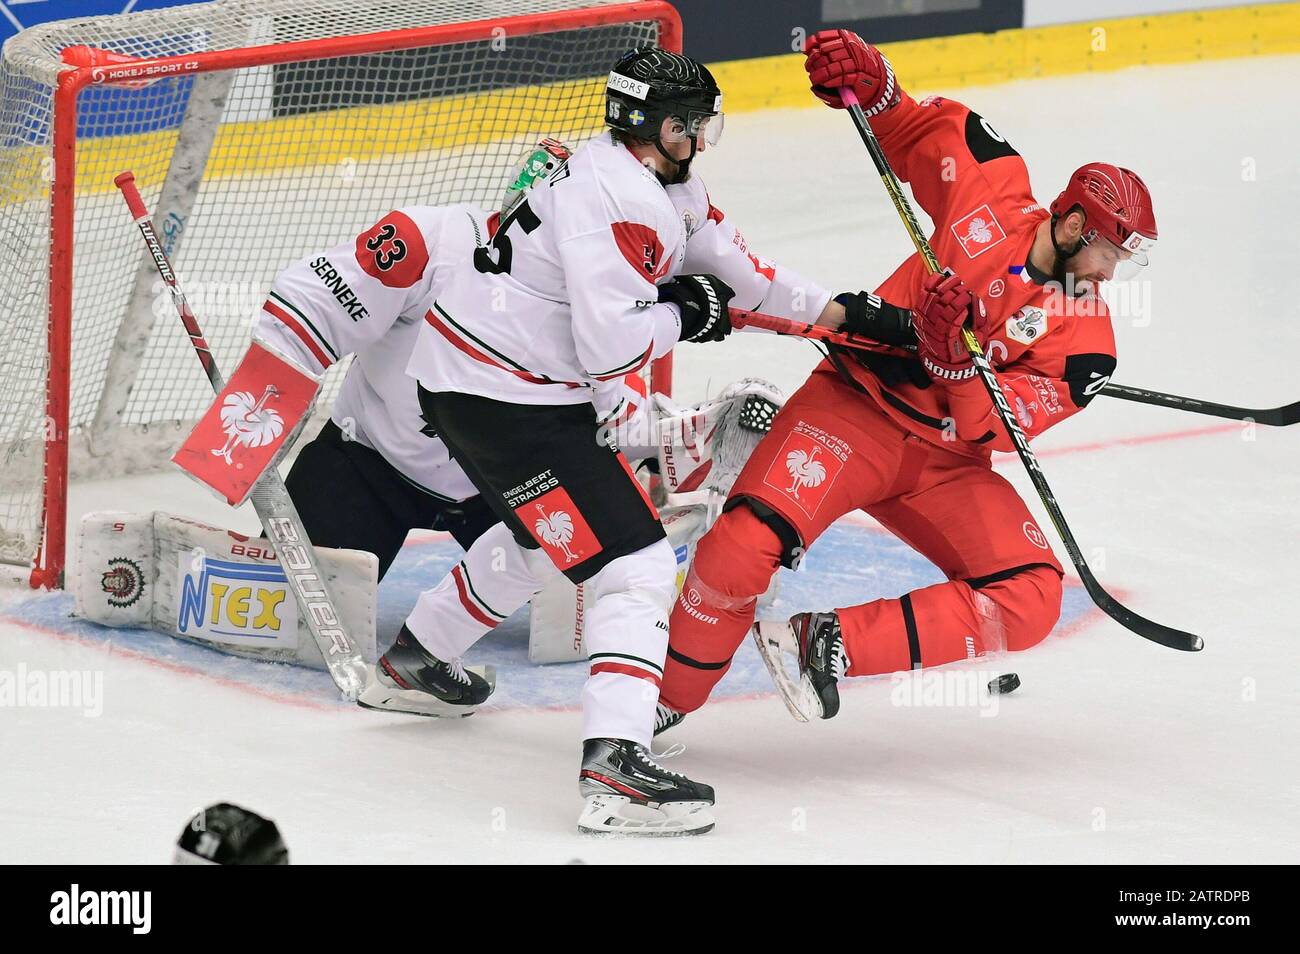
(1053, 352)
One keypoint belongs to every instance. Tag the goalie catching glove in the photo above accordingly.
(703, 301)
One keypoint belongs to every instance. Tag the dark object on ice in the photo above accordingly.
(225, 834)
(1008, 682)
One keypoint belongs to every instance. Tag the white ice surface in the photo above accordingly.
(1114, 750)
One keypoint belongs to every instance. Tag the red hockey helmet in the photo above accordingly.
(1117, 204)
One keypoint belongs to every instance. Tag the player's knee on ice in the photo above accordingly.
(1030, 605)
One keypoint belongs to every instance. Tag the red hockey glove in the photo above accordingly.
(838, 58)
(946, 306)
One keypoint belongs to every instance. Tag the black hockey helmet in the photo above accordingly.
(648, 85)
(225, 834)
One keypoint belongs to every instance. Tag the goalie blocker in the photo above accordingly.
(251, 424)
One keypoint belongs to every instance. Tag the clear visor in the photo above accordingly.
(1122, 262)
(696, 125)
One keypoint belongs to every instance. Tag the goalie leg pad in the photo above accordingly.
(217, 587)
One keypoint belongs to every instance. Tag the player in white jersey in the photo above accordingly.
(377, 452)
(580, 286)
(376, 470)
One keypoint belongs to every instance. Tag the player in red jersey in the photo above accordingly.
(909, 438)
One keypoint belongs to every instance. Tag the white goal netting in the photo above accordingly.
(248, 168)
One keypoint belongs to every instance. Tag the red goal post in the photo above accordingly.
(435, 111)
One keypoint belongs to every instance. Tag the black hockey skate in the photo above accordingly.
(629, 793)
(666, 718)
(814, 640)
(409, 679)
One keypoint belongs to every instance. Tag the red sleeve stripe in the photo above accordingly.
(460, 344)
(475, 613)
(636, 364)
(275, 311)
(301, 315)
(622, 670)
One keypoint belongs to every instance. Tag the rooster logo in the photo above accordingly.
(556, 530)
(248, 422)
(805, 470)
(979, 231)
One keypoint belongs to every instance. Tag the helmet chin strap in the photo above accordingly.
(1062, 254)
(684, 165)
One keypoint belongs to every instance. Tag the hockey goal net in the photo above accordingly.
(258, 131)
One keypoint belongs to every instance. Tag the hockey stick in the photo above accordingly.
(803, 329)
(1147, 629)
(270, 499)
(1273, 416)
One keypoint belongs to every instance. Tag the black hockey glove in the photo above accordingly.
(870, 317)
(703, 300)
(891, 370)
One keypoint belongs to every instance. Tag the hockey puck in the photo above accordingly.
(1003, 684)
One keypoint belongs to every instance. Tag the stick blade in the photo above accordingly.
(1284, 416)
(1137, 623)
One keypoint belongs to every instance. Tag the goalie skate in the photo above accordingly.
(628, 793)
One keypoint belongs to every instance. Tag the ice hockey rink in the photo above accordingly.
(1114, 750)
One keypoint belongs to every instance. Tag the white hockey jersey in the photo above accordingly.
(373, 297)
(714, 246)
(565, 298)
(341, 302)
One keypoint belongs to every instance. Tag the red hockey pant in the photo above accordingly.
(832, 451)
